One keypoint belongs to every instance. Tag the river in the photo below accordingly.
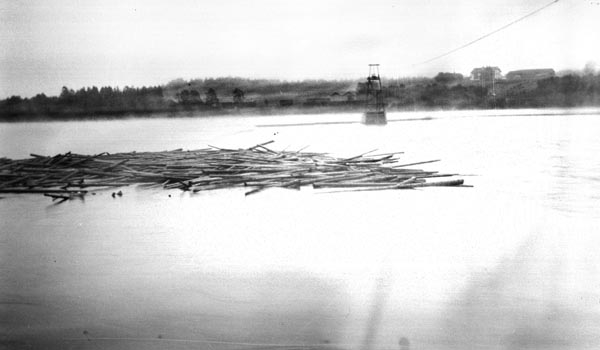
(511, 263)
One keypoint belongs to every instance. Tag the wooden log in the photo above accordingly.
(6, 166)
(353, 184)
(417, 163)
(412, 179)
(64, 158)
(37, 181)
(88, 171)
(440, 183)
(367, 161)
(68, 176)
(37, 190)
(341, 178)
(260, 147)
(359, 156)
(57, 196)
(81, 161)
(115, 165)
(436, 175)
(261, 144)
(142, 174)
(385, 154)
(101, 184)
(38, 156)
(15, 181)
(256, 190)
(209, 187)
(213, 168)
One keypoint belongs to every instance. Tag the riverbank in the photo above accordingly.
(177, 112)
(280, 98)
(291, 111)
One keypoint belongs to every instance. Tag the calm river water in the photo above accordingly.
(511, 263)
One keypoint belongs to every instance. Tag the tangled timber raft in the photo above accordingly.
(69, 175)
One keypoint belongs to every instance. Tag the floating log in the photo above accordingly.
(39, 190)
(412, 179)
(57, 196)
(257, 167)
(417, 163)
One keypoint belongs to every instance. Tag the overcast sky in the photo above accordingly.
(47, 44)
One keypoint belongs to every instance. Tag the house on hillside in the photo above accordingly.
(350, 96)
(486, 74)
(337, 97)
(530, 74)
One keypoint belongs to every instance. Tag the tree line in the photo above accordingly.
(452, 91)
(90, 101)
(444, 91)
(109, 101)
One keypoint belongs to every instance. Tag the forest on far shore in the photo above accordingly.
(236, 95)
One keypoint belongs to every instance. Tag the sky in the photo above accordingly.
(45, 45)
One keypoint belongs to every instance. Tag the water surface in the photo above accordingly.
(511, 263)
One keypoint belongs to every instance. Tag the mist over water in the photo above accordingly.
(511, 263)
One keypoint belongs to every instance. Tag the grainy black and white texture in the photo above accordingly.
(508, 264)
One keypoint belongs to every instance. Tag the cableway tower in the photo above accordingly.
(375, 104)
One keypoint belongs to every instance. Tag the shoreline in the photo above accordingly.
(277, 111)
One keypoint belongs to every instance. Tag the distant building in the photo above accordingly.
(350, 96)
(486, 74)
(337, 97)
(530, 74)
